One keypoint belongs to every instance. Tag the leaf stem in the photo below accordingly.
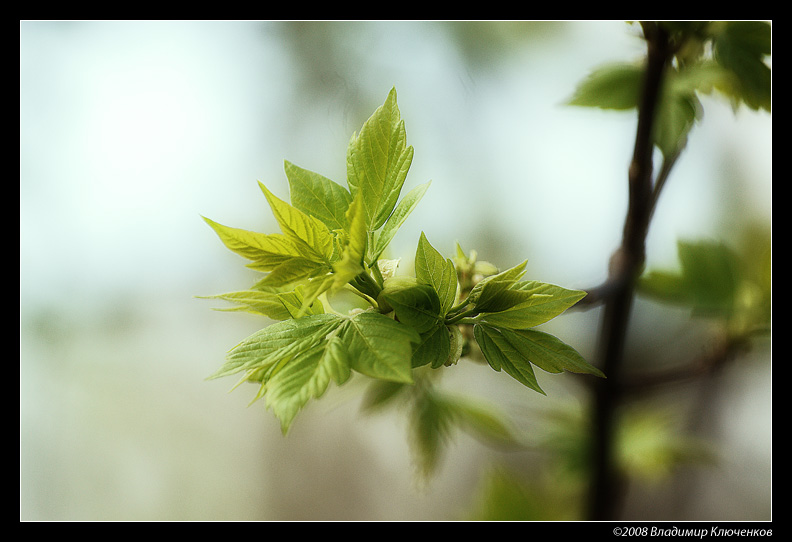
(457, 308)
(454, 319)
(366, 284)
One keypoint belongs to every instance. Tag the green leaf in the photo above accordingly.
(548, 352)
(677, 111)
(545, 303)
(501, 354)
(318, 196)
(434, 348)
(395, 221)
(277, 342)
(309, 234)
(351, 263)
(740, 46)
(380, 347)
(292, 271)
(304, 377)
(378, 160)
(438, 272)
(480, 420)
(255, 301)
(613, 86)
(267, 251)
(430, 428)
(415, 304)
(314, 287)
(488, 293)
(618, 86)
(297, 304)
(708, 279)
(380, 393)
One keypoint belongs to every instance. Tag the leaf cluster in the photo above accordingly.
(708, 56)
(717, 281)
(333, 238)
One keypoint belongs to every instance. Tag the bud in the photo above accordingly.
(457, 342)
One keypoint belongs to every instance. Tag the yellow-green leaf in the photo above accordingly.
(308, 233)
(267, 251)
(378, 160)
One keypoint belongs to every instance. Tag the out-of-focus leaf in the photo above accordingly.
(613, 86)
(740, 46)
(707, 281)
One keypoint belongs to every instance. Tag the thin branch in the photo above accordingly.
(701, 366)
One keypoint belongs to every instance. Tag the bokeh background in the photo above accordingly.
(131, 130)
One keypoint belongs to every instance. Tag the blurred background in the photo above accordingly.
(131, 130)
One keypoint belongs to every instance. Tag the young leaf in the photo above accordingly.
(380, 347)
(267, 251)
(415, 304)
(314, 287)
(378, 160)
(255, 301)
(548, 352)
(434, 348)
(500, 354)
(304, 377)
(351, 263)
(545, 303)
(308, 233)
(318, 196)
(486, 293)
(438, 272)
(277, 342)
(292, 271)
(395, 221)
(298, 305)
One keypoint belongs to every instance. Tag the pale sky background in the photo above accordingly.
(131, 130)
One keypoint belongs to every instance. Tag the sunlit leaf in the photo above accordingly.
(267, 251)
(318, 196)
(308, 233)
(378, 160)
(276, 342)
(395, 221)
(305, 377)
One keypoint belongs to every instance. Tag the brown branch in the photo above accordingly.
(626, 265)
(725, 350)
